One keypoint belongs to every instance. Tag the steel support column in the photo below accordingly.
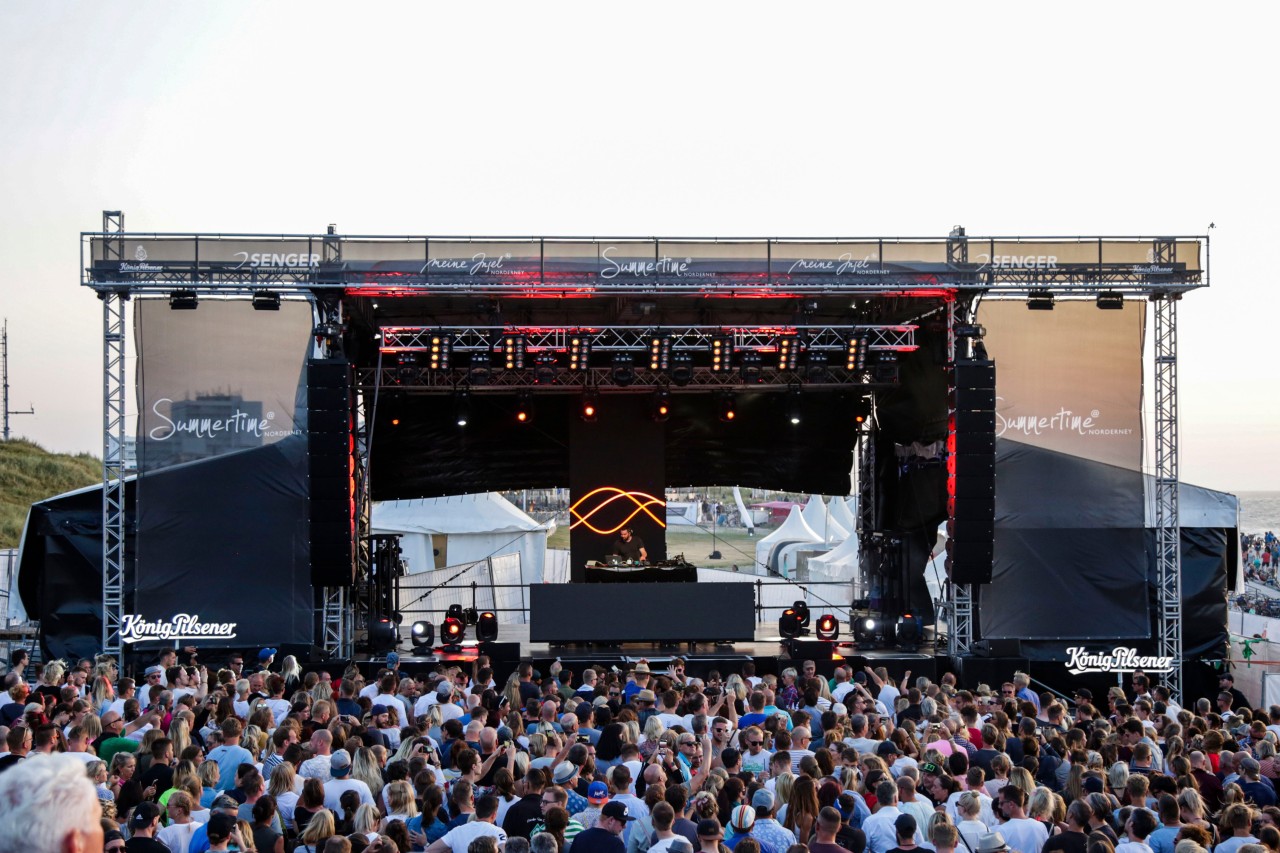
(113, 445)
(959, 607)
(1168, 531)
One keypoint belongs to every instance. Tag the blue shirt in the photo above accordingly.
(228, 758)
(1163, 839)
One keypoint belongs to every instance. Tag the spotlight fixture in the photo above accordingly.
(441, 352)
(424, 637)
(789, 624)
(487, 627)
(970, 330)
(886, 371)
(579, 352)
(660, 352)
(462, 408)
(867, 631)
(661, 405)
(452, 630)
(681, 369)
(524, 408)
(721, 353)
(383, 636)
(727, 412)
(406, 359)
(816, 365)
(454, 611)
(855, 352)
(794, 405)
(828, 627)
(265, 300)
(183, 300)
(470, 616)
(909, 631)
(750, 365)
(624, 371)
(802, 612)
(481, 367)
(789, 353)
(1110, 301)
(513, 349)
(1040, 302)
(544, 368)
(589, 405)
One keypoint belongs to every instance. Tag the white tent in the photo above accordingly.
(464, 528)
(775, 550)
(686, 514)
(838, 564)
(820, 521)
(842, 515)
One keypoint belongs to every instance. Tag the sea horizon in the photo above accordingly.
(1259, 511)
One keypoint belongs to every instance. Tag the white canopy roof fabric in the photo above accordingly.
(794, 529)
(840, 563)
(816, 516)
(842, 515)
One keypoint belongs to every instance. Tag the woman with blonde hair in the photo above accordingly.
(971, 826)
(653, 729)
(319, 830)
(180, 733)
(1117, 777)
(400, 803)
(1020, 777)
(283, 787)
(103, 694)
(364, 766)
(782, 792)
(365, 822)
(209, 778)
(291, 671)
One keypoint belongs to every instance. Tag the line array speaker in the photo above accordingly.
(331, 468)
(971, 527)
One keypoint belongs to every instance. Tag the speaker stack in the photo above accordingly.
(971, 526)
(331, 467)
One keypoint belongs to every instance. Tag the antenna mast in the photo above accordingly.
(4, 370)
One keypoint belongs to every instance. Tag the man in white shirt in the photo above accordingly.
(319, 765)
(1023, 833)
(458, 839)
(340, 770)
(882, 834)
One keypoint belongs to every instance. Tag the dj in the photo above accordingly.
(628, 546)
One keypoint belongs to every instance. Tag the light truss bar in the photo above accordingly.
(959, 604)
(335, 633)
(1168, 530)
(426, 380)
(113, 448)
(897, 338)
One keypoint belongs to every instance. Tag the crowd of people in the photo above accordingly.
(1261, 554)
(262, 756)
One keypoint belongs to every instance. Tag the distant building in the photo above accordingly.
(208, 426)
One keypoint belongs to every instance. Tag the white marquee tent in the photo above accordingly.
(828, 529)
(776, 551)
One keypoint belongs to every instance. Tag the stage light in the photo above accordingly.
(624, 371)
(660, 352)
(513, 348)
(452, 631)
(589, 406)
(727, 412)
(579, 352)
(802, 612)
(481, 367)
(788, 353)
(265, 300)
(816, 365)
(470, 615)
(855, 352)
(789, 624)
(462, 408)
(544, 368)
(661, 405)
(424, 637)
(406, 359)
(183, 300)
(750, 365)
(383, 636)
(828, 627)
(970, 330)
(441, 352)
(524, 408)
(681, 369)
(721, 354)
(1110, 301)
(487, 627)
(1040, 302)
(794, 405)
(867, 631)
(886, 370)
(908, 631)
(454, 611)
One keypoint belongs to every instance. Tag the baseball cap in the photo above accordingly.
(887, 747)
(762, 799)
(144, 814)
(340, 763)
(929, 767)
(266, 653)
(564, 772)
(742, 818)
(709, 827)
(597, 793)
(225, 801)
(839, 709)
(617, 811)
(219, 827)
(1092, 785)
(378, 709)
(1085, 693)
(392, 658)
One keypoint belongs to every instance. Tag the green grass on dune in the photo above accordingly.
(29, 473)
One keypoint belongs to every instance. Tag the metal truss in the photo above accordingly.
(113, 447)
(335, 628)
(897, 338)
(604, 378)
(959, 604)
(1168, 529)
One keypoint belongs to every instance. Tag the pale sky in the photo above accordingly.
(699, 119)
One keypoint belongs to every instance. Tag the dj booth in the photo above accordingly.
(635, 571)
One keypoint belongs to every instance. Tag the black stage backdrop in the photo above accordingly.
(225, 542)
(428, 455)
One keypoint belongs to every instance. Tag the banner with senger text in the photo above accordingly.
(221, 510)
(1069, 490)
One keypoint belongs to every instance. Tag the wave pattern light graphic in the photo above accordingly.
(641, 500)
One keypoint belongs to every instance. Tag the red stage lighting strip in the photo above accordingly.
(642, 501)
